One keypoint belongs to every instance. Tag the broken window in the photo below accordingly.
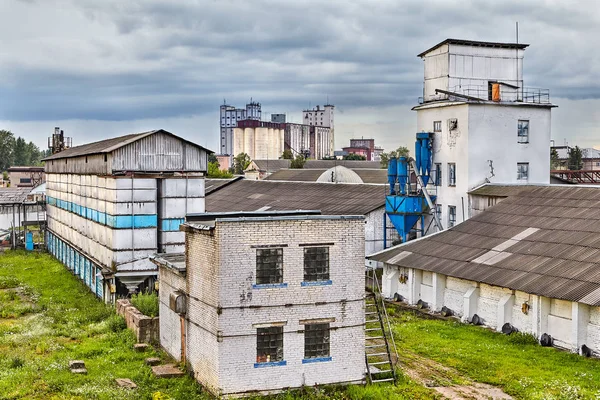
(451, 216)
(269, 344)
(451, 174)
(438, 174)
(522, 171)
(523, 131)
(269, 266)
(316, 340)
(316, 264)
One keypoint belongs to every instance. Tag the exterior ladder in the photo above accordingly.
(378, 334)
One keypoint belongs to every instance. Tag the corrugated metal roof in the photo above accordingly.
(378, 176)
(211, 185)
(330, 198)
(476, 43)
(109, 145)
(15, 195)
(276, 165)
(490, 189)
(560, 260)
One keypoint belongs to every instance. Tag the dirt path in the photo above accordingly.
(447, 381)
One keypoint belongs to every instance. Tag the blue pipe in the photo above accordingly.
(392, 173)
(402, 174)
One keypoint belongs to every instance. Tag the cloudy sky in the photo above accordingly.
(105, 68)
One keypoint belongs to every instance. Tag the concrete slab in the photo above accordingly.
(125, 383)
(140, 347)
(81, 371)
(152, 361)
(167, 371)
(76, 364)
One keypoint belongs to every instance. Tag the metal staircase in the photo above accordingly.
(378, 335)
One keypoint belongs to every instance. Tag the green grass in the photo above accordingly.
(146, 303)
(515, 363)
(67, 322)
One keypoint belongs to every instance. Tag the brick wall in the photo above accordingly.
(170, 333)
(146, 329)
(225, 303)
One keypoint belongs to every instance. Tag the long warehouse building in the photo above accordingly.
(113, 203)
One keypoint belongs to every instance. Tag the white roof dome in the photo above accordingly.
(340, 174)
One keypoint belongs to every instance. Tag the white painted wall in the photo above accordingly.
(485, 132)
(571, 324)
(493, 136)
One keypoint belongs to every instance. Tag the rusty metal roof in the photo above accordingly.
(490, 189)
(109, 145)
(330, 198)
(543, 240)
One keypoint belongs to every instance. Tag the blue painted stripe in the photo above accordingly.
(316, 283)
(315, 360)
(171, 224)
(80, 265)
(269, 285)
(113, 221)
(270, 364)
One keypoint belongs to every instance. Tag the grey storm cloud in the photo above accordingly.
(122, 60)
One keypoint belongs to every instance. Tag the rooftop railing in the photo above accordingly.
(508, 94)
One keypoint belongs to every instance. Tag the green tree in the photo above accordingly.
(554, 160)
(401, 151)
(21, 157)
(287, 155)
(298, 162)
(7, 146)
(575, 158)
(353, 156)
(214, 171)
(240, 163)
(212, 158)
(34, 153)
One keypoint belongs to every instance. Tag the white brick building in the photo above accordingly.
(274, 301)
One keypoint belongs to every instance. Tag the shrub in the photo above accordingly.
(16, 362)
(116, 323)
(8, 282)
(146, 303)
(522, 338)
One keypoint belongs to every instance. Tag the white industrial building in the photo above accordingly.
(259, 139)
(487, 126)
(229, 116)
(530, 261)
(322, 117)
(111, 204)
(312, 141)
(266, 301)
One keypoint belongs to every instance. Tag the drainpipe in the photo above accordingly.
(182, 323)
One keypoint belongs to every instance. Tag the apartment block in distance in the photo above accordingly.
(321, 117)
(229, 116)
(268, 300)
